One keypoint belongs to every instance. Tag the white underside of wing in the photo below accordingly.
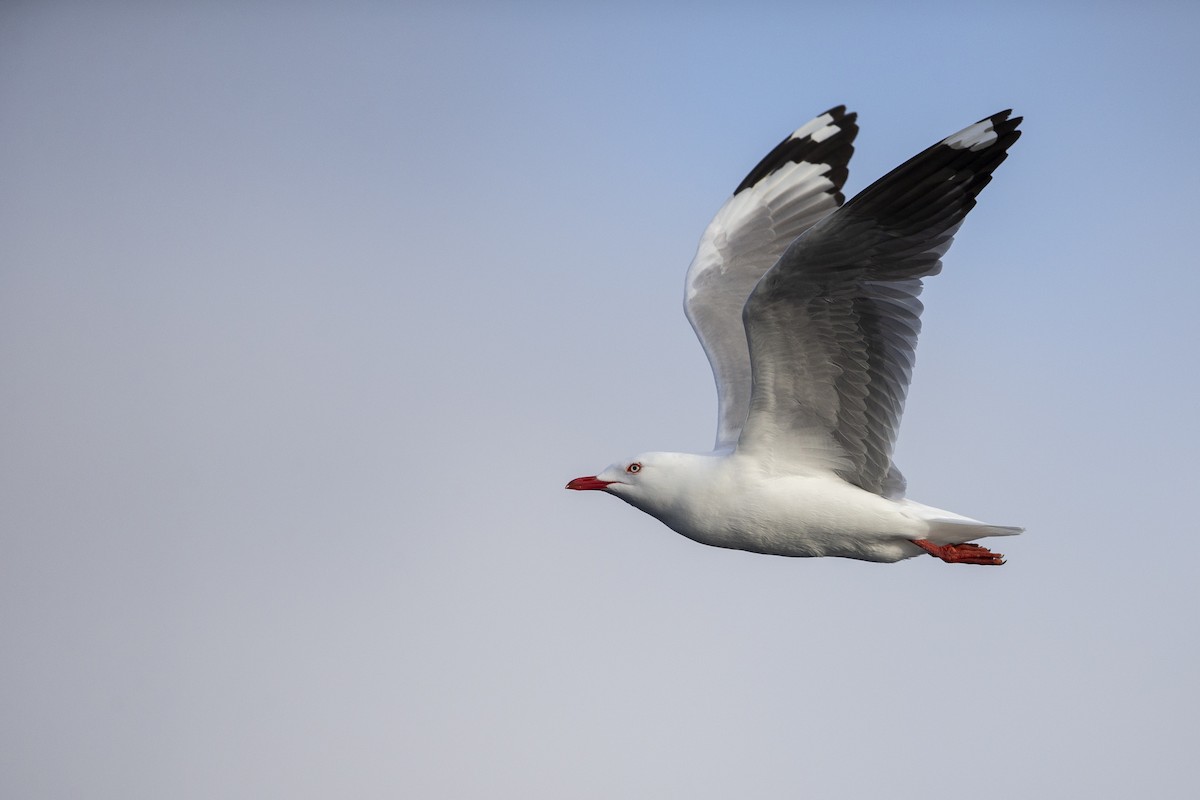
(754, 227)
(743, 241)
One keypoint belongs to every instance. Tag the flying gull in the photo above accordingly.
(808, 310)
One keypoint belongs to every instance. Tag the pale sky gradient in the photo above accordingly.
(309, 311)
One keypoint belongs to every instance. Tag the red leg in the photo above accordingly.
(967, 553)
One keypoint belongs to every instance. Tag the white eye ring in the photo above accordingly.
(634, 468)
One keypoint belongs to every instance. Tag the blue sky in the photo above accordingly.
(308, 313)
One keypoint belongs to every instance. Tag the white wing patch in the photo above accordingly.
(819, 128)
(974, 137)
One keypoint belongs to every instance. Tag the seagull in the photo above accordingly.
(808, 311)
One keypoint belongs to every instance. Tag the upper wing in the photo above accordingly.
(833, 326)
(797, 184)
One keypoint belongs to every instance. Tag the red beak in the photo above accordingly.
(590, 482)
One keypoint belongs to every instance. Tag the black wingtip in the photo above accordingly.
(1003, 124)
(959, 166)
(832, 149)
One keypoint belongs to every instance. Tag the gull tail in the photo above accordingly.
(946, 527)
(957, 531)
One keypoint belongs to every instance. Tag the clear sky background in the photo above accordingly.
(309, 311)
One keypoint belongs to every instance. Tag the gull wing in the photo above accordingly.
(793, 187)
(832, 327)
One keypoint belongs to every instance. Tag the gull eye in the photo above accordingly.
(634, 468)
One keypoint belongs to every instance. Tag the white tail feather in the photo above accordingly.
(957, 531)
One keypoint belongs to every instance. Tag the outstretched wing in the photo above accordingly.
(833, 326)
(793, 187)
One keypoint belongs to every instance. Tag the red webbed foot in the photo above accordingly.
(966, 553)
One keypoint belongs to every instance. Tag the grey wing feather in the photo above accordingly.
(793, 187)
(833, 326)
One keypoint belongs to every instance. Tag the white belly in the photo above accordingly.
(800, 516)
